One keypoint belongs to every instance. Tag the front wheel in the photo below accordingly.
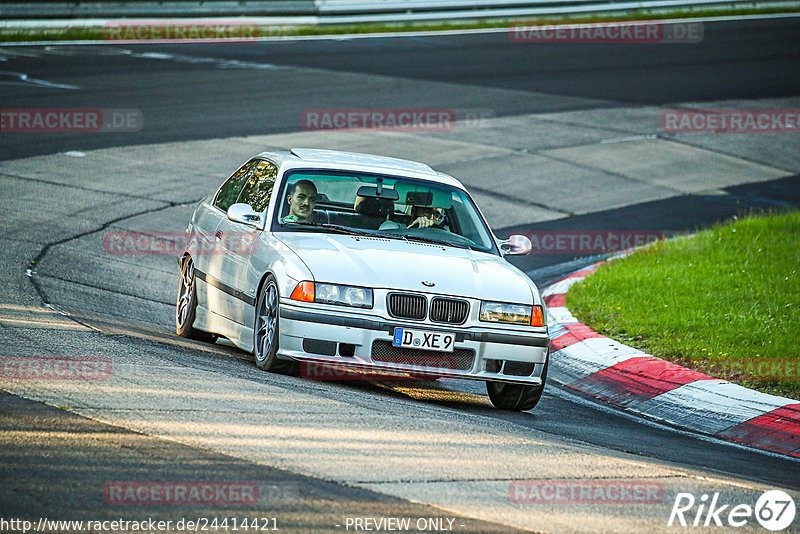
(516, 397)
(265, 331)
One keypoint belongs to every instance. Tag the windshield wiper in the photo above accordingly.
(435, 241)
(360, 232)
(357, 231)
(342, 228)
(339, 228)
(335, 227)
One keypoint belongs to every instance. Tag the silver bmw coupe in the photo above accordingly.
(364, 262)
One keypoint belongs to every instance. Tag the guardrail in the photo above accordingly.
(341, 11)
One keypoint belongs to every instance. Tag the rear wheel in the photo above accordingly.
(186, 305)
(516, 397)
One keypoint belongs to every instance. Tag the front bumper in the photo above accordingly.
(344, 337)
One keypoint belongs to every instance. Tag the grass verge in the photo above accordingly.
(97, 33)
(725, 302)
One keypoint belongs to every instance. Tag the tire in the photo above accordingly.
(516, 397)
(186, 305)
(267, 328)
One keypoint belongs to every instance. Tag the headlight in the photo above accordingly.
(501, 312)
(339, 295)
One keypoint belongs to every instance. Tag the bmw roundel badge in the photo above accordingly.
(428, 283)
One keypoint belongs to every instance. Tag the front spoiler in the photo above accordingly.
(388, 370)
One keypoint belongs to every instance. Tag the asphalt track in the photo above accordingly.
(189, 93)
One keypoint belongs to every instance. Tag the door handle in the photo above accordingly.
(218, 234)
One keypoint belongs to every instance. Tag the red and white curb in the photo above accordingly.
(638, 382)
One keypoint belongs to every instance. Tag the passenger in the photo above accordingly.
(426, 217)
(302, 198)
(421, 217)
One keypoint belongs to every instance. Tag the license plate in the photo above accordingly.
(424, 339)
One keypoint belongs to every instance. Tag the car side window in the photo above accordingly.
(229, 191)
(258, 189)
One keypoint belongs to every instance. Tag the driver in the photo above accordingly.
(302, 198)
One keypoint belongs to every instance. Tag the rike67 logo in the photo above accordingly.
(774, 510)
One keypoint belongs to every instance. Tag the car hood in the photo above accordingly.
(396, 264)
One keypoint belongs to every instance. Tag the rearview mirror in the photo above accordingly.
(243, 213)
(516, 245)
(373, 192)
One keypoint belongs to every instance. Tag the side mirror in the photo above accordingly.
(243, 213)
(516, 245)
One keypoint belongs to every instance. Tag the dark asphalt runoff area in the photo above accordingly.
(193, 97)
(55, 463)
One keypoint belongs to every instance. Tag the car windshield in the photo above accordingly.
(386, 206)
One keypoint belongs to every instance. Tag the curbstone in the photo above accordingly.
(628, 378)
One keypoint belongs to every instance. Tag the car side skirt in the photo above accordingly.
(240, 335)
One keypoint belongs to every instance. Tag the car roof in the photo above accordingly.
(335, 159)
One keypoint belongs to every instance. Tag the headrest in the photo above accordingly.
(374, 207)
